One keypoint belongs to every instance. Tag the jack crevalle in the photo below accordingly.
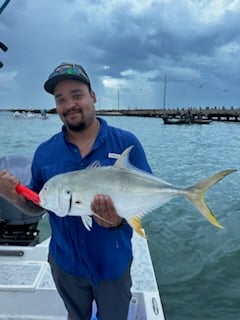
(134, 192)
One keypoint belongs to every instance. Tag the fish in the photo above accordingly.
(134, 192)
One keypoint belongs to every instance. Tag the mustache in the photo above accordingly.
(72, 110)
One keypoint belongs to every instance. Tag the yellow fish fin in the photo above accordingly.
(136, 224)
(196, 195)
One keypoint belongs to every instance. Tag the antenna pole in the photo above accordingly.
(165, 91)
(4, 5)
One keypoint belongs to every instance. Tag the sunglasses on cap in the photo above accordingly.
(66, 71)
(71, 69)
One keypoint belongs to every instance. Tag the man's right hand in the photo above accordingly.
(8, 184)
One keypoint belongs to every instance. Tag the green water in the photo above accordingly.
(197, 265)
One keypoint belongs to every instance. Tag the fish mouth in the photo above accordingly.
(42, 203)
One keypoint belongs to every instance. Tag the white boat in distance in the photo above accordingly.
(30, 115)
(27, 290)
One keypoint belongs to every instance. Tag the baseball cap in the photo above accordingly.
(66, 71)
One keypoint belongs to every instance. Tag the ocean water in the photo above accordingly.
(197, 265)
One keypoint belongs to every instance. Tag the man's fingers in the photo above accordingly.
(103, 206)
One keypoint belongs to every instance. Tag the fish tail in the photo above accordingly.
(196, 195)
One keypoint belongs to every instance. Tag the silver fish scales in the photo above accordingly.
(134, 192)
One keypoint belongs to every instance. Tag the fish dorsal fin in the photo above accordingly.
(123, 162)
(136, 224)
(95, 164)
(123, 159)
(87, 222)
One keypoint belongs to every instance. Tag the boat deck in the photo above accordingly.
(27, 290)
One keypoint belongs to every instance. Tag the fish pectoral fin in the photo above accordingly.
(87, 222)
(101, 218)
(136, 223)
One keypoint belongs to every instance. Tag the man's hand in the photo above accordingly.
(8, 184)
(103, 206)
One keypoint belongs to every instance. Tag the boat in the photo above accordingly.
(186, 121)
(167, 120)
(27, 290)
(201, 121)
(29, 115)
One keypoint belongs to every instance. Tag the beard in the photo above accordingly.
(78, 126)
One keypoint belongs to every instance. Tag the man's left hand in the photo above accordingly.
(103, 206)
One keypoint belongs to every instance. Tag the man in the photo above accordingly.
(86, 265)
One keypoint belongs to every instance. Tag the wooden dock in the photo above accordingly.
(214, 114)
(210, 113)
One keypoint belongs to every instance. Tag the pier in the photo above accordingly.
(209, 113)
(214, 114)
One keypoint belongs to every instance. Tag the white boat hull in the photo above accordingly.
(27, 290)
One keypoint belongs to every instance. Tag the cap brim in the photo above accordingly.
(51, 83)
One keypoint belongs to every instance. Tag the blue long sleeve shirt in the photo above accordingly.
(102, 253)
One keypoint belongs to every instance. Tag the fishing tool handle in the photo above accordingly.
(28, 193)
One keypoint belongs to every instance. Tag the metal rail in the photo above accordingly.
(2, 45)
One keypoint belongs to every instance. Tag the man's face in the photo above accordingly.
(74, 104)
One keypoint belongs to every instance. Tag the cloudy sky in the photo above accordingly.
(128, 48)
